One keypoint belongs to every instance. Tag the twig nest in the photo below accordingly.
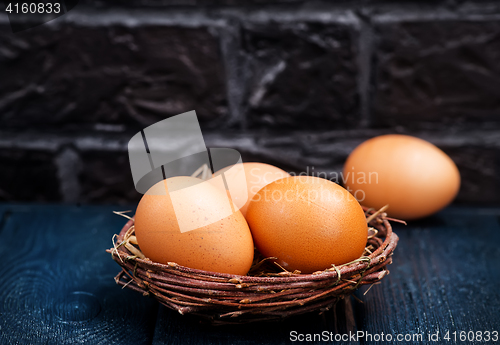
(267, 293)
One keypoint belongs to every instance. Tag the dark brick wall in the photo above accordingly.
(437, 73)
(293, 83)
(71, 74)
(301, 67)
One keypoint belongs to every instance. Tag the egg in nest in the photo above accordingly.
(308, 223)
(194, 224)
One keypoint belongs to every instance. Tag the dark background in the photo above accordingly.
(291, 83)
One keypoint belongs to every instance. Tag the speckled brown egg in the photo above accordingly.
(219, 242)
(308, 223)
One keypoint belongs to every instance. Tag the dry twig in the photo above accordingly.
(264, 294)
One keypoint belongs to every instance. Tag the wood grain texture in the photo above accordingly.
(445, 277)
(57, 282)
(172, 328)
(57, 286)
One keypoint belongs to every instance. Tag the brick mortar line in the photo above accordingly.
(412, 12)
(85, 15)
(365, 43)
(69, 166)
(54, 143)
(130, 17)
(324, 14)
(429, 17)
(230, 48)
(218, 16)
(87, 142)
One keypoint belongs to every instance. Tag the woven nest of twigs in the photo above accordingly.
(268, 292)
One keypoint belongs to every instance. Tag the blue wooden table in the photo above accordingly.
(57, 287)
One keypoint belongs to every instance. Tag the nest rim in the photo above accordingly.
(144, 275)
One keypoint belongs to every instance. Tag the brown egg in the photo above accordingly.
(412, 176)
(308, 223)
(194, 225)
(256, 175)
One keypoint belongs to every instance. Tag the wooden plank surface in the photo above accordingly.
(445, 278)
(57, 284)
(172, 328)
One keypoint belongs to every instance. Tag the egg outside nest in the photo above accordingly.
(265, 294)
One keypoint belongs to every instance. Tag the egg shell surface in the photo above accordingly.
(411, 175)
(256, 175)
(224, 246)
(308, 223)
